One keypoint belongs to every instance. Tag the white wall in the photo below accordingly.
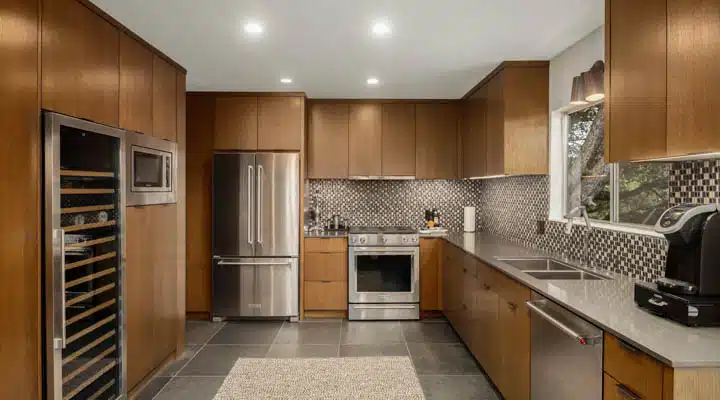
(571, 62)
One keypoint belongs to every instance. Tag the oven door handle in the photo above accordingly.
(384, 307)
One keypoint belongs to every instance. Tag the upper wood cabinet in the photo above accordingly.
(398, 139)
(328, 141)
(236, 123)
(281, 122)
(365, 140)
(515, 101)
(164, 100)
(636, 70)
(136, 86)
(436, 141)
(692, 76)
(472, 135)
(80, 63)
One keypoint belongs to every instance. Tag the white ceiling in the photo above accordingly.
(438, 48)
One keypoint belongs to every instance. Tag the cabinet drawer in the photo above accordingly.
(326, 267)
(511, 291)
(325, 295)
(633, 369)
(318, 245)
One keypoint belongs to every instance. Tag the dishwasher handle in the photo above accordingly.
(536, 306)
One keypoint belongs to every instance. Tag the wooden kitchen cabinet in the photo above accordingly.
(80, 64)
(514, 322)
(328, 141)
(632, 368)
(436, 129)
(280, 123)
(236, 123)
(692, 75)
(365, 139)
(398, 139)
(472, 135)
(136, 86)
(430, 274)
(163, 219)
(164, 100)
(325, 275)
(636, 109)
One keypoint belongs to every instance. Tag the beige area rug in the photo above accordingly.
(391, 378)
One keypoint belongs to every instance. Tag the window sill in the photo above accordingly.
(610, 226)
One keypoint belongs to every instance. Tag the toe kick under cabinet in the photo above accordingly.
(325, 272)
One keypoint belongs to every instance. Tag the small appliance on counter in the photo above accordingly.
(690, 291)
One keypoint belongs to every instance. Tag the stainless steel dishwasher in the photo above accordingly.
(567, 354)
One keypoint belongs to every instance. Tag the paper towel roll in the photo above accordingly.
(469, 219)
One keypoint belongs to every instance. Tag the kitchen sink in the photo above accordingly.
(547, 268)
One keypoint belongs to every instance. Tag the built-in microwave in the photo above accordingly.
(151, 170)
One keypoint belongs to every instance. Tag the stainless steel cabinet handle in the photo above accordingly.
(512, 306)
(251, 174)
(628, 347)
(59, 288)
(626, 393)
(486, 286)
(260, 173)
(536, 307)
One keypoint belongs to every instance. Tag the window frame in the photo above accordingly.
(560, 123)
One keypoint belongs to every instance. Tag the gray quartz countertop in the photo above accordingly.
(608, 304)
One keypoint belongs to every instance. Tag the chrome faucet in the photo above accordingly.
(577, 212)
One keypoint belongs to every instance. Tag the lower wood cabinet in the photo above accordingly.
(487, 310)
(325, 272)
(430, 282)
(632, 370)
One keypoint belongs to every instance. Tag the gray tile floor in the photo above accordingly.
(445, 368)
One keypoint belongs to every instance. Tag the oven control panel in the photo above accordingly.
(408, 240)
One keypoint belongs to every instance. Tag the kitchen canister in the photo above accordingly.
(469, 219)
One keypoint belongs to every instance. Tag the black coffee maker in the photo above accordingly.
(690, 291)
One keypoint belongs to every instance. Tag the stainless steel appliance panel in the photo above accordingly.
(234, 204)
(406, 296)
(277, 205)
(255, 287)
(392, 312)
(566, 361)
(151, 169)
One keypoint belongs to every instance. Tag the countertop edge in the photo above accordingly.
(530, 284)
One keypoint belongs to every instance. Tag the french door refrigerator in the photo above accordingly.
(83, 235)
(256, 239)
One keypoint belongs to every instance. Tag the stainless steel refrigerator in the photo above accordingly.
(83, 224)
(256, 234)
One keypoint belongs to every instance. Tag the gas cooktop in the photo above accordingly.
(383, 236)
(396, 230)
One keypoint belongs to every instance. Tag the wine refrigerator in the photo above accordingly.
(83, 239)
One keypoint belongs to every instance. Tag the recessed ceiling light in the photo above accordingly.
(372, 81)
(253, 28)
(286, 80)
(381, 28)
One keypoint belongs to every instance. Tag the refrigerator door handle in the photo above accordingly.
(259, 216)
(223, 263)
(249, 204)
(59, 289)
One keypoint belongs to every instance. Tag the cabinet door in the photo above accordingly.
(636, 109)
(328, 141)
(436, 141)
(164, 100)
(495, 127)
(692, 75)
(398, 139)
(472, 134)
(365, 129)
(236, 123)
(136, 86)
(139, 293)
(326, 296)
(326, 267)
(280, 123)
(80, 66)
(429, 274)
(163, 241)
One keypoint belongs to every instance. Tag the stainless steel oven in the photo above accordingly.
(152, 170)
(384, 276)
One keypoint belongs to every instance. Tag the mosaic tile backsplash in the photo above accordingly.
(510, 207)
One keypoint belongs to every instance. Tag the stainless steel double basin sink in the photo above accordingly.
(547, 268)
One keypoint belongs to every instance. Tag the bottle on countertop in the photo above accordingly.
(436, 217)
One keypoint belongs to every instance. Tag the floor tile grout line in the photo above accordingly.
(224, 324)
(342, 322)
(275, 338)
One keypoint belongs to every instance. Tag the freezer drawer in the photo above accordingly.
(255, 287)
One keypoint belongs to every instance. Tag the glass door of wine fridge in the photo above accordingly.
(83, 259)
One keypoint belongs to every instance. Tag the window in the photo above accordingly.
(629, 193)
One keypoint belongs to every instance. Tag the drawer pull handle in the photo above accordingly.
(626, 393)
(512, 306)
(628, 347)
(486, 286)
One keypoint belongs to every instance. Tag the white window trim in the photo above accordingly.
(558, 165)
